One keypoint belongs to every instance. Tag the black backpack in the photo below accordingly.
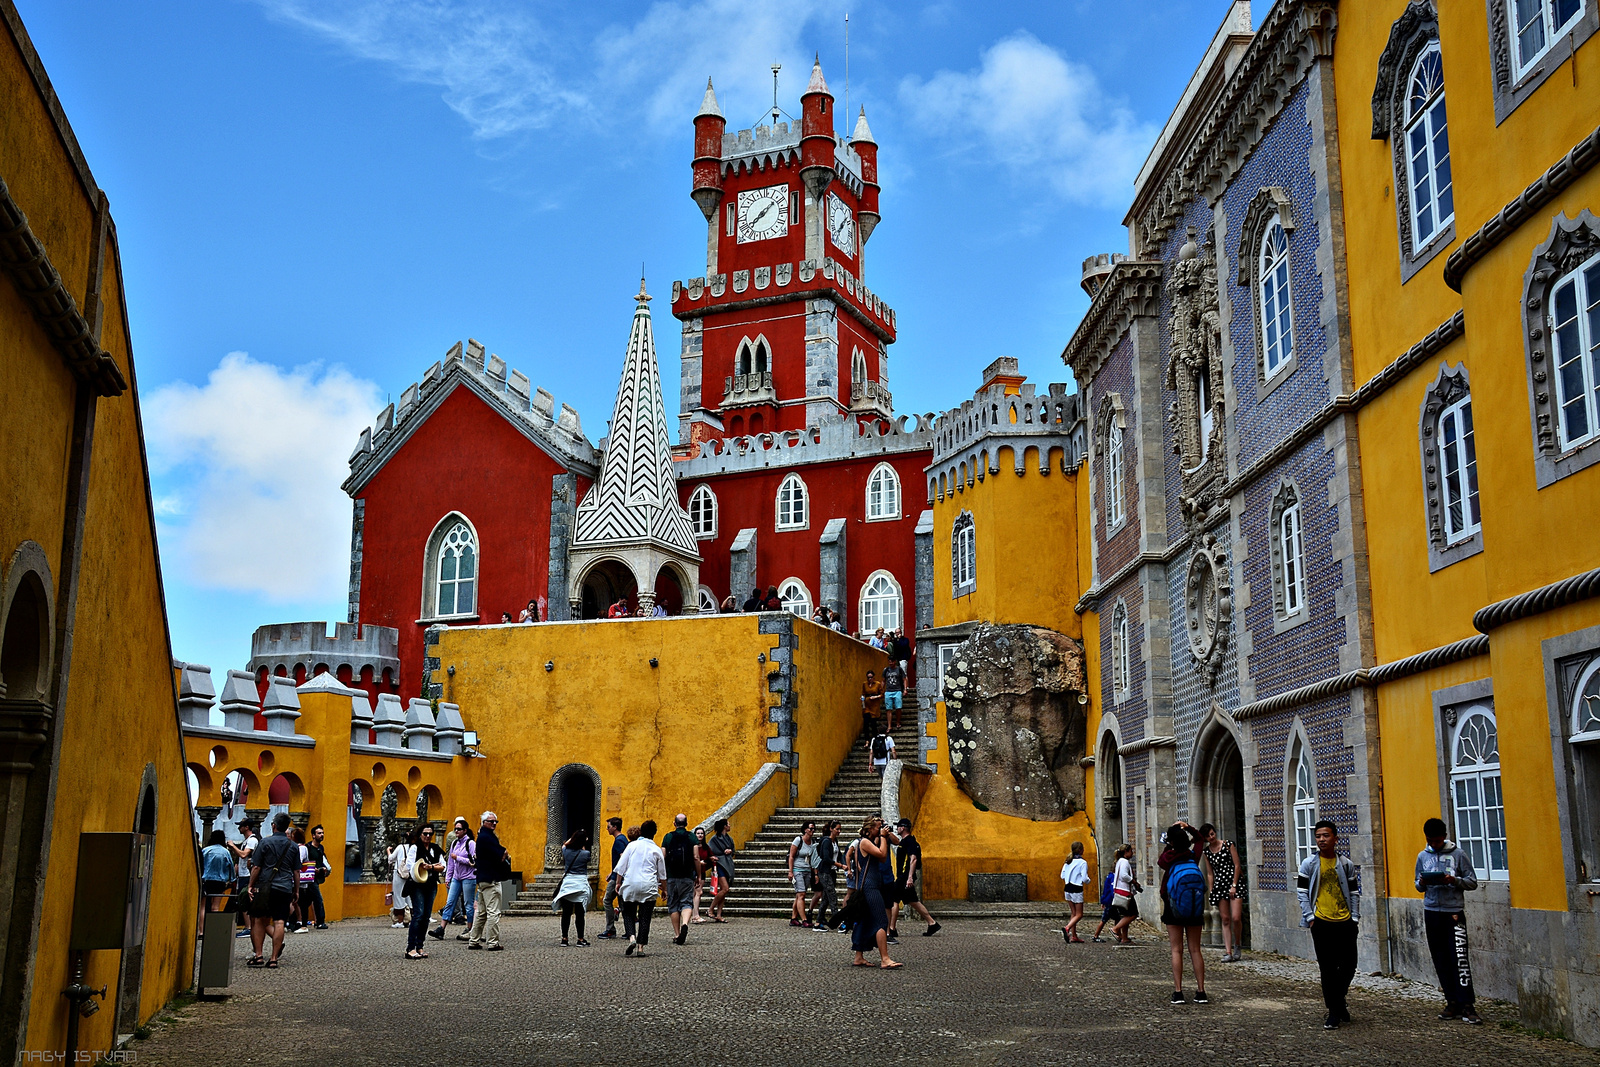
(680, 855)
(880, 747)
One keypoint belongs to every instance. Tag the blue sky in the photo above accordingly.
(316, 198)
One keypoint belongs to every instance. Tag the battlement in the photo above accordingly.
(508, 388)
(817, 444)
(1097, 268)
(993, 411)
(766, 147)
(307, 645)
(699, 296)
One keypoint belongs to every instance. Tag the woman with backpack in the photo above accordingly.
(1075, 875)
(802, 861)
(1183, 908)
(1225, 876)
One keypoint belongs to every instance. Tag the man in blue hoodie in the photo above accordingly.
(1444, 872)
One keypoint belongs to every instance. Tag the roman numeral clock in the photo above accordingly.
(763, 213)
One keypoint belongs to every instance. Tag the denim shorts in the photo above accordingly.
(892, 699)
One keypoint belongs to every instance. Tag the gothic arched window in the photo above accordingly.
(1288, 553)
(1475, 796)
(454, 559)
(1121, 652)
(1427, 149)
(963, 556)
(703, 512)
(793, 509)
(883, 493)
(881, 604)
(1303, 799)
(796, 597)
(1276, 305)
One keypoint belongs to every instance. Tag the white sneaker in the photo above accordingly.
(397, 926)
(303, 930)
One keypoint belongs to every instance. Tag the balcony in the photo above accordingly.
(870, 396)
(752, 388)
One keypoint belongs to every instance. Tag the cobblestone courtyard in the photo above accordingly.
(1000, 991)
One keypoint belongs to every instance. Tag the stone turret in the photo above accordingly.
(389, 721)
(450, 729)
(281, 707)
(360, 720)
(196, 694)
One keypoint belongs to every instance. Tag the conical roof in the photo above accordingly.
(863, 132)
(636, 499)
(708, 105)
(818, 83)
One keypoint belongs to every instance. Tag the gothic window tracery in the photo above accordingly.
(1408, 109)
(963, 556)
(703, 512)
(1561, 322)
(1288, 554)
(1450, 469)
(1110, 442)
(452, 571)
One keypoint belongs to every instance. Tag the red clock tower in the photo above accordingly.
(782, 332)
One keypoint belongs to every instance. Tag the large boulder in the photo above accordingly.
(1015, 721)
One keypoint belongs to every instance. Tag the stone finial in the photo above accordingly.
(708, 103)
(360, 719)
(818, 83)
(196, 694)
(419, 728)
(239, 701)
(450, 729)
(863, 133)
(544, 404)
(281, 707)
(389, 721)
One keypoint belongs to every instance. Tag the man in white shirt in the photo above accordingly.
(242, 852)
(642, 873)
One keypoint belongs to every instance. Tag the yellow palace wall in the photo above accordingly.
(1528, 941)
(1027, 550)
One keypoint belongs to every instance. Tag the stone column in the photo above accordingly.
(450, 729)
(281, 707)
(239, 701)
(389, 720)
(742, 564)
(420, 726)
(832, 593)
(922, 538)
(563, 505)
(360, 720)
(196, 694)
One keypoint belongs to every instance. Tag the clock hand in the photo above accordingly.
(764, 212)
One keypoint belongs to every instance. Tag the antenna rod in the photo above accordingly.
(847, 70)
(775, 109)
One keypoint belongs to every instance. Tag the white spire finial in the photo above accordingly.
(708, 104)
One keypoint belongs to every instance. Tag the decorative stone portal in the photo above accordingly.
(1016, 721)
(573, 805)
(604, 583)
(1216, 796)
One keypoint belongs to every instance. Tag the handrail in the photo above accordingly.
(739, 799)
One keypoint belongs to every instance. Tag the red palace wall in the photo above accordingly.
(837, 490)
(466, 458)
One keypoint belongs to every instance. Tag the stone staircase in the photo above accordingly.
(762, 888)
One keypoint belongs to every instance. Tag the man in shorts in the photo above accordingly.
(894, 692)
(274, 879)
(679, 847)
(908, 858)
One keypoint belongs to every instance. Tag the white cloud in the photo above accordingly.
(247, 470)
(486, 57)
(1039, 114)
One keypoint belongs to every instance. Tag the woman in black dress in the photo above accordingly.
(872, 923)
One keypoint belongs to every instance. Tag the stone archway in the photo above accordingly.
(672, 592)
(1217, 796)
(603, 584)
(573, 804)
(1108, 798)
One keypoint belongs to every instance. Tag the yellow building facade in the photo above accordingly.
(1472, 251)
(84, 654)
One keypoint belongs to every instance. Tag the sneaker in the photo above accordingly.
(322, 926)
(893, 940)
(1344, 1015)
(1449, 1015)
(1331, 1022)
(242, 933)
(1178, 997)
(1097, 940)
(397, 926)
(1472, 1018)
(794, 922)
(1201, 998)
(493, 948)
(607, 936)
(437, 933)
(683, 935)
(807, 925)
(463, 937)
(931, 930)
(475, 946)
(303, 930)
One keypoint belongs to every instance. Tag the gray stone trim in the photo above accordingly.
(1366, 677)
(358, 521)
(1509, 90)
(963, 521)
(781, 680)
(922, 539)
(294, 644)
(29, 558)
(1574, 165)
(742, 797)
(742, 563)
(262, 737)
(1570, 651)
(563, 513)
(1288, 494)
(822, 442)
(832, 591)
(1447, 388)
(430, 662)
(1270, 201)
(393, 752)
(1445, 701)
(553, 829)
(1571, 243)
(1538, 601)
(1131, 291)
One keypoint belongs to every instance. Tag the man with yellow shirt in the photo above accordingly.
(1329, 888)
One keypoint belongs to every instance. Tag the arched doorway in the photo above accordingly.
(1216, 796)
(1108, 795)
(604, 584)
(574, 804)
(670, 591)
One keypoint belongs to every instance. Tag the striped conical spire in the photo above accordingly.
(636, 498)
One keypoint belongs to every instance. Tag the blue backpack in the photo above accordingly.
(1186, 892)
(1107, 891)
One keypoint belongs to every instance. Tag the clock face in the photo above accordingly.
(763, 213)
(841, 225)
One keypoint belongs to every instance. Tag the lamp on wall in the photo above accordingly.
(469, 742)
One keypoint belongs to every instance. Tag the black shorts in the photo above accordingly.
(216, 889)
(273, 904)
(906, 894)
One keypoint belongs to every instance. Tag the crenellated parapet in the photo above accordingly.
(824, 443)
(782, 282)
(1006, 412)
(305, 646)
(532, 410)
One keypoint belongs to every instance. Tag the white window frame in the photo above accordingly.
(947, 656)
(1275, 299)
(1116, 510)
(1430, 118)
(798, 505)
(1291, 545)
(1552, 32)
(1458, 472)
(887, 505)
(1121, 653)
(963, 556)
(1304, 804)
(1586, 301)
(1477, 800)
(709, 605)
(867, 612)
(1208, 413)
(1585, 716)
(703, 513)
(795, 604)
(432, 567)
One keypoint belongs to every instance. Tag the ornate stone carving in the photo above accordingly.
(1194, 373)
(1415, 27)
(1571, 242)
(1208, 600)
(1450, 387)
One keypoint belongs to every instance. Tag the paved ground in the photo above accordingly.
(1001, 991)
